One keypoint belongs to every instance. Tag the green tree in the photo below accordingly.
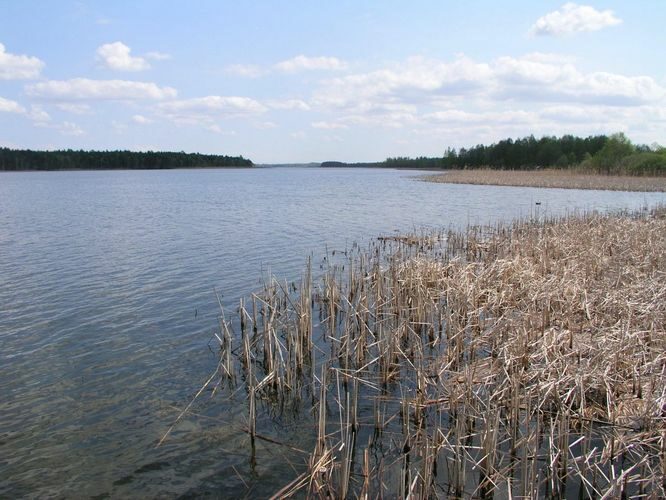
(609, 158)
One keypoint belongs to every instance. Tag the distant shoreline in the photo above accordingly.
(110, 169)
(550, 178)
(13, 160)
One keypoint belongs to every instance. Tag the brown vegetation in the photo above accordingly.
(550, 178)
(524, 360)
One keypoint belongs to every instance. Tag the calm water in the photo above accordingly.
(107, 308)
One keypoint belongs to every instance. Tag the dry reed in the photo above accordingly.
(550, 178)
(524, 360)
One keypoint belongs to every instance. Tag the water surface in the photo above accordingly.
(108, 307)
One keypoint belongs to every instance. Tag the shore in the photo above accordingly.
(550, 178)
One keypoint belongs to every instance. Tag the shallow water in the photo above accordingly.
(108, 308)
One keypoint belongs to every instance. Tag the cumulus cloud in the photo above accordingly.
(39, 118)
(9, 106)
(204, 110)
(398, 92)
(526, 79)
(87, 89)
(487, 100)
(117, 56)
(18, 67)
(35, 114)
(304, 63)
(573, 18)
(416, 78)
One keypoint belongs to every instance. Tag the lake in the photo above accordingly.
(109, 285)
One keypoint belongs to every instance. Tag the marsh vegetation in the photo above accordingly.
(551, 178)
(518, 360)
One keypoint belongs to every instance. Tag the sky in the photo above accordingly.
(350, 80)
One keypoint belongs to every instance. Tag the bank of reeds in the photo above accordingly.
(550, 178)
(521, 360)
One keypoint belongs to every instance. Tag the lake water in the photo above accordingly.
(108, 308)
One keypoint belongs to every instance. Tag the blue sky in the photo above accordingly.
(298, 81)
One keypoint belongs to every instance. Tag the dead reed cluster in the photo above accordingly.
(550, 178)
(524, 360)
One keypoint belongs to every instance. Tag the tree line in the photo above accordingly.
(25, 159)
(614, 154)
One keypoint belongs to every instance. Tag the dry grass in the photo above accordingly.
(524, 360)
(550, 178)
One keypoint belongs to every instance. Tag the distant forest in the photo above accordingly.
(614, 154)
(25, 159)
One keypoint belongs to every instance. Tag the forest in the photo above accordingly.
(614, 154)
(25, 159)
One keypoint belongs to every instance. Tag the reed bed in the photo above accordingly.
(550, 178)
(523, 360)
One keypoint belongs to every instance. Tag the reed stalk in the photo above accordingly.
(516, 360)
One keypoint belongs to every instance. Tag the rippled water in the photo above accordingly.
(107, 308)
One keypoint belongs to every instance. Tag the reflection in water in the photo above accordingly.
(107, 308)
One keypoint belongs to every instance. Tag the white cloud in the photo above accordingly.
(217, 105)
(13, 67)
(398, 92)
(9, 106)
(141, 120)
(69, 128)
(245, 70)
(204, 110)
(297, 104)
(64, 128)
(537, 93)
(304, 63)
(525, 79)
(86, 89)
(74, 108)
(530, 71)
(117, 56)
(414, 79)
(300, 135)
(35, 114)
(573, 18)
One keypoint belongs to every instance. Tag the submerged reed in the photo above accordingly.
(523, 360)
